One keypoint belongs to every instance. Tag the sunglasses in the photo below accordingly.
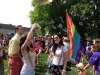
(56, 37)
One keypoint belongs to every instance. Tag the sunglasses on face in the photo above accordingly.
(56, 37)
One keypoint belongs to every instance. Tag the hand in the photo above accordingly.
(82, 73)
(64, 72)
(82, 70)
(35, 26)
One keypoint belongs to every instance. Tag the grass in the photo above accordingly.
(41, 68)
(5, 67)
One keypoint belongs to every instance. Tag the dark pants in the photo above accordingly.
(15, 65)
(1, 66)
(1, 69)
(55, 69)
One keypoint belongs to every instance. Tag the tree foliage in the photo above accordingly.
(51, 17)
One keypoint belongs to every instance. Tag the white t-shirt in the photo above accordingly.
(58, 57)
(66, 45)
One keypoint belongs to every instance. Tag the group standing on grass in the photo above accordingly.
(24, 51)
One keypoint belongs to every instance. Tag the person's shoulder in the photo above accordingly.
(12, 39)
(96, 54)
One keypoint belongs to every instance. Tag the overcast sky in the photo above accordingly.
(15, 12)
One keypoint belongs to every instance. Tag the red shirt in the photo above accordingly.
(37, 47)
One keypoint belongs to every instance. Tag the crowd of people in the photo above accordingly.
(23, 52)
(4, 40)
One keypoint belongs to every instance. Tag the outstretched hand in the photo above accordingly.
(35, 26)
(82, 72)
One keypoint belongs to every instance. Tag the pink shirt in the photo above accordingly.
(37, 47)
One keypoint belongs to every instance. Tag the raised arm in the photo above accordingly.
(34, 28)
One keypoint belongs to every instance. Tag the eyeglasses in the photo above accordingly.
(56, 37)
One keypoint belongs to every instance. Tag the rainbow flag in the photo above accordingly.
(74, 37)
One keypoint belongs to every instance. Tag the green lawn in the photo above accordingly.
(5, 67)
(41, 68)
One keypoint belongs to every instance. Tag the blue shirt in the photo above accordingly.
(95, 60)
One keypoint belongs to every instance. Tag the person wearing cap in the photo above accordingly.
(14, 56)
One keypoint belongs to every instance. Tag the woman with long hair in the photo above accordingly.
(28, 55)
(27, 58)
(59, 56)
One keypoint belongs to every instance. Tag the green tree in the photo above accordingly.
(51, 17)
(48, 16)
